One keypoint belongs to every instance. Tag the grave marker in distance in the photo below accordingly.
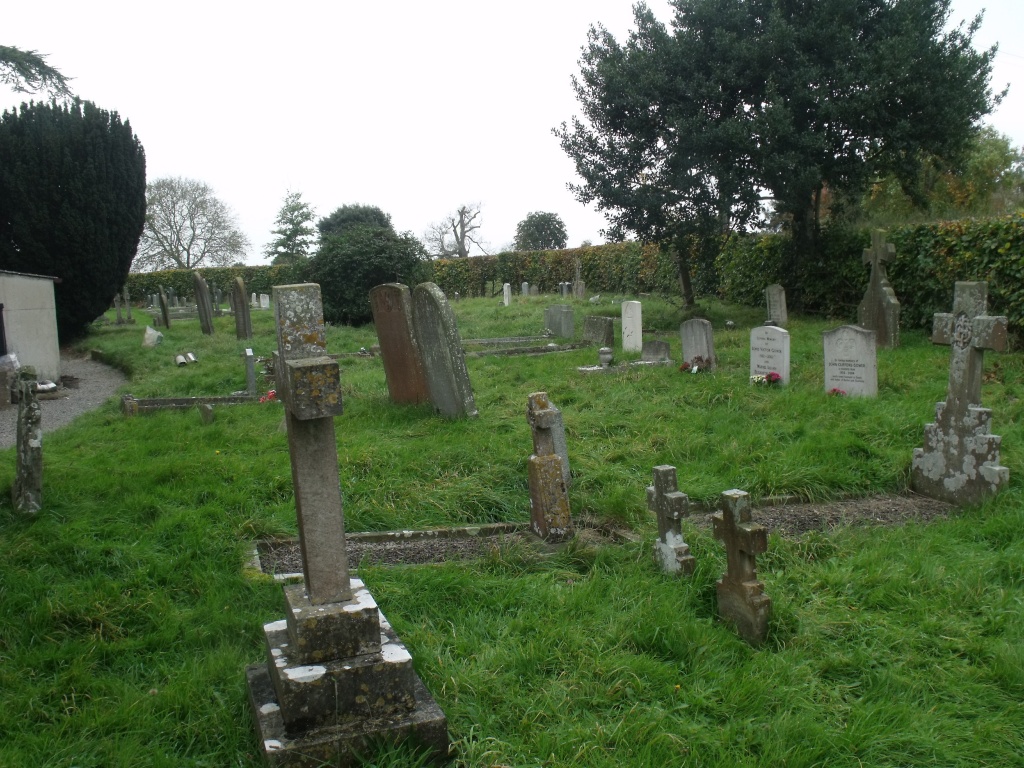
(741, 598)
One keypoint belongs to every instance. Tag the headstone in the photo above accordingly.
(632, 327)
(560, 320)
(599, 330)
(243, 319)
(27, 491)
(775, 297)
(525, 289)
(206, 414)
(337, 678)
(254, 302)
(879, 311)
(204, 304)
(548, 431)
(444, 363)
(127, 306)
(264, 301)
(579, 289)
(741, 598)
(218, 297)
(117, 306)
(172, 296)
(535, 290)
(769, 352)
(549, 499)
(165, 310)
(250, 372)
(670, 506)
(151, 337)
(959, 462)
(698, 340)
(851, 364)
(391, 304)
(655, 352)
(506, 294)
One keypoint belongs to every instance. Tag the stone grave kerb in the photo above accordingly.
(670, 506)
(741, 598)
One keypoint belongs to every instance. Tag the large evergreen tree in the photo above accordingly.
(294, 234)
(353, 215)
(72, 203)
(541, 231)
(28, 72)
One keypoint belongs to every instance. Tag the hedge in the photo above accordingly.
(258, 279)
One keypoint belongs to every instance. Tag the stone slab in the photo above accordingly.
(444, 362)
(769, 351)
(632, 326)
(391, 304)
(851, 361)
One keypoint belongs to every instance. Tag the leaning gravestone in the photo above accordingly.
(851, 364)
(548, 431)
(959, 462)
(632, 326)
(698, 341)
(204, 305)
(769, 352)
(27, 492)
(670, 506)
(337, 678)
(775, 297)
(444, 362)
(550, 517)
(599, 330)
(165, 310)
(243, 318)
(560, 320)
(879, 311)
(391, 304)
(741, 598)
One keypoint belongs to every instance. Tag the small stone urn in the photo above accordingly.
(604, 355)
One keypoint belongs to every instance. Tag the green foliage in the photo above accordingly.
(258, 279)
(28, 72)
(541, 231)
(347, 266)
(354, 215)
(294, 232)
(72, 203)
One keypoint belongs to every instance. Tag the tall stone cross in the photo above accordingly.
(879, 310)
(309, 384)
(670, 506)
(741, 598)
(959, 462)
(878, 255)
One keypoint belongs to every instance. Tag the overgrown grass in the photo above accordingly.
(127, 617)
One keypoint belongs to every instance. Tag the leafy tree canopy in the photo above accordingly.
(28, 72)
(72, 203)
(541, 231)
(294, 231)
(353, 215)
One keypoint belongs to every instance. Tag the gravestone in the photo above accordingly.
(851, 364)
(550, 517)
(698, 340)
(741, 598)
(218, 297)
(204, 305)
(250, 372)
(172, 297)
(206, 413)
(959, 462)
(599, 330)
(27, 491)
(655, 351)
(560, 320)
(391, 304)
(535, 290)
(548, 431)
(506, 294)
(632, 327)
(264, 301)
(127, 306)
(579, 289)
(337, 678)
(165, 310)
(444, 363)
(243, 319)
(769, 352)
(879, 311)
(670, 506)
(524, 289)
(117, 306)
(775, 297)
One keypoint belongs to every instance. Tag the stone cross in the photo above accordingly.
(879, 310)
(741, 598)
(959, 462)
(550, 516)
(309, 385)
(27, 492)
(670, 506)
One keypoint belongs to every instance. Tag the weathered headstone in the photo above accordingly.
(27, 492)
(698, 340)
(775, 297)
(206, 413)
(599, 330)
(741, 598)
(670, 506)
(560, 320)
(579, 289)
(959, 462)
(391, 304)
(172, 296)
(879, 311)
(525, 289)
(165, 310)
(218, 298)
(204, 304)
(250, 372)
(535, 290)
(506, 294)
(264, 301)
(243, 319)
(632, 326)
(655, 351)
(851, 364)
(769, 352)
(337, 677)
(117, 306)
(127, 306)
(549, 499)
(444, 363)
(548, 431)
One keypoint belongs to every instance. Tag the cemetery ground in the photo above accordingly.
(129, 612)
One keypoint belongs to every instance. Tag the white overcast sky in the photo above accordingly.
(416, 107)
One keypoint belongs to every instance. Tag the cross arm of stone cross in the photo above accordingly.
(664, 498)
(880, 251)
(742, 538)
(982, 332)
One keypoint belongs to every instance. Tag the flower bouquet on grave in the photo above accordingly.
(271, 396)
(770, 379)
(696, 365)
(837, 392)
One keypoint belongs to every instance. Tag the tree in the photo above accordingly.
(187, 226)
(541, 232)
(295, 234)
(454, 236)
(353, 215)
(28, 72)
(348, 265)
(72, 203)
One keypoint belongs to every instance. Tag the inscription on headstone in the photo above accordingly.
(769, 352)
(851, 365)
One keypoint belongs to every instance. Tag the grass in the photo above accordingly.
(126, 615)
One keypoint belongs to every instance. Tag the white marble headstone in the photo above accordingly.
(632, 327)
(769, 351)
(851, 363)
(264, 301)
(506, 294)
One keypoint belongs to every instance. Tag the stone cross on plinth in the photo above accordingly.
(959, 462)
(550, 516)
(741, 598)
(879, 310)
(670, 505)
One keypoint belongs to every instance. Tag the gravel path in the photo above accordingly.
(97, 383)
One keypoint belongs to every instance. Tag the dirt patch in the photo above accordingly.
(788, 520)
